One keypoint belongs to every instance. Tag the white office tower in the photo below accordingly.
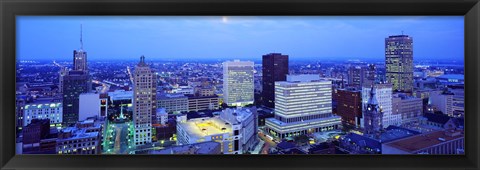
(144, 106)
(238, 86)
(384, 98)
(302, 107)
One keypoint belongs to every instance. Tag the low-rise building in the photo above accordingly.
(410, 108)
(202, 148)
(74, 140)
(437, 142)
(33, 133)
(173, 102)
(48, 108)
(234, 129)
(196, 103)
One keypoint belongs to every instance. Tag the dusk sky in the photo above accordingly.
(236, 37)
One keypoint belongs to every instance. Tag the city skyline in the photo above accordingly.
(238, 37)
(236, 107)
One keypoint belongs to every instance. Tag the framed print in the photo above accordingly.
(251, 84)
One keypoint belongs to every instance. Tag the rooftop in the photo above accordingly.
(393, 133)
(201, 127)
(421, 141)
(197, 148)
(296, 82)
(78, 133)
(236, 115)
(452, 76)
(120, 95)
(397, 36)
(43, 104)
(161, 96)
(306, 122)
(191, 96)
(437, 118)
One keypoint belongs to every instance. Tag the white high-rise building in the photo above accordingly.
(238, 86)
(144, 105)
(302, 106)
(384, 98)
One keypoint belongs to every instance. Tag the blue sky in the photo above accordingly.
(236, 37)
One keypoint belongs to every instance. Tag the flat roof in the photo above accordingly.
(452, 76)
(201, 127)
(293, 83)
(283, 124)
(163, 96)
(199, 148)
(421, 141)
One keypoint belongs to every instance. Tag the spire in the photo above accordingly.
(373, 98)
(142, 61)
(81, 37)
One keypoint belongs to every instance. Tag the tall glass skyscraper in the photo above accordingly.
(238, 87)
(399, 62)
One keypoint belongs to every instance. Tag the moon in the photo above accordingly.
(224, 19)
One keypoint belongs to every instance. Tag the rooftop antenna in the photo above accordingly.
(81, 37)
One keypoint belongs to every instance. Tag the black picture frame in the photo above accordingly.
(11, 8)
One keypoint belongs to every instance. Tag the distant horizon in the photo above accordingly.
(256, 61)
(208, 38)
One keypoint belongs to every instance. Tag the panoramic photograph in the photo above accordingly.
(155, 85)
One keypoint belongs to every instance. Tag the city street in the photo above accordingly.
(119, 139)
(268, 143)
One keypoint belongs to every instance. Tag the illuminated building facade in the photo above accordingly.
(46, 109)
(238, 85)
(399, 62)
(144, 105)
(302, 107)
(234, 129)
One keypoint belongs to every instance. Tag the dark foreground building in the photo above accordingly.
(274, 68)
